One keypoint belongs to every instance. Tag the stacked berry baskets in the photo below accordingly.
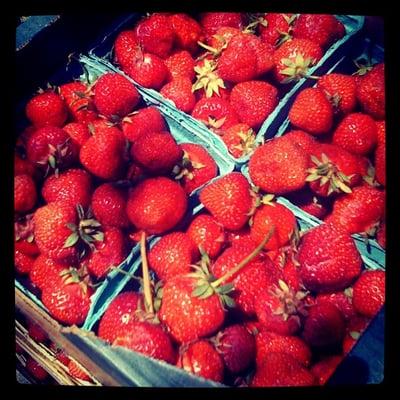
(208, 194)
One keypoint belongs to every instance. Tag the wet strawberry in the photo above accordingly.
(179, 91)
(181, 64)
(25, 195)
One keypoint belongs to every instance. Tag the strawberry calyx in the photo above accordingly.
(74, 275)
(362, 69)
(259, 200)
(55, 157)
(186, 167)
(24, 228)
(214, 52)
(297, 68)
(255, 19)
(247, 142)
(208, 79)
(328, 173)
(370, 178)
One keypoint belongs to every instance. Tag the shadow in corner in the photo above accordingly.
(352, 371)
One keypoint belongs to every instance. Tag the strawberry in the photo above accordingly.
(270, 342)
(148, 70)
(303, 139)
(67, 299)
(156, 152)
(23, 167)
(76, 371)
(273, 215)
(294, 58)
(156, 205)
(44, 270)
(324, 325)
(371, 91)
(241, 236)
(202, 359)
(381, 234)
(279, 166)
(356, 133)
(46, 109)
(51, 147)
(369, 293)
(253, 101)
(354, 329)
(24, 136)
(187, 31)
(381, 132)
(172, 255)
(216, 113)
(22, 262)
(228, 200)
(78, 132)
(36, 370)
(264, 54)
(359, 211)
(156, 35)
(279, 308)
(236, 346)
(341, 300)
(115, 96)
(290, 274)
(179, 91)
(181, 64)
(196, 167)
(312, 112)
(276, 28)
(332, 170)
(118, 316)
(324, 368)
(25, 195)
(145, 120)
(109, 253)
(380, 164)
(340, 90)
(26, 247)
(109, 205)
(281, 369)
(78, 101)
(212, 21)
(309, 203)
(126, 47)
(239, 139)
(148, 339)
(329, 259)
(206, 233)
(102, 154)
(60, 354)
(73, 186)
(37, 333)
(220, 40)
(322, 29)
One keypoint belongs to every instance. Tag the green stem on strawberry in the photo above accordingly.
(148, 298)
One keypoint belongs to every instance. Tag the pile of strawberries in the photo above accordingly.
(228, 70)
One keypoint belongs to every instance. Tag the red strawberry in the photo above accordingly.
(181, 64)
(290, 274)
(220, 40)
(115, 96)
(109, 253)
(149, 339)
(381, 132)
(273, 215)
(51, 147)
(119, 316)
(202, 359)
(303, 139)
(239, 139)
(36, 370)
(277, 28)
(380, 164)
(46, 109)
(237, 347)
(312, 112)
(187, 316)
(324, 368)
(172, 255)
(228, 200)
(356, 133)
(216, 113)
(60, 354)
(103, 153)
(26, 247)
(78, 101)
(73, 186)
(253, 101)
(187, 31)
(264, 54)
(371, 91)
(207, 233)
(359, 211)
(126, 47)
(212, 21)
(109, 205)
(37, 333)
(145, 120)
(279, 166)
(156, 205)
(78, 132)
(270, 342)
(279, 308)
(67, 300)
(369, 293)
(280, 369)
(329, 259)
(156, 35)
(148, 70)
(44, 270)
(341, 300)
(294, 58)
(196, 168)
(22, 262)
(354, 329)
(179, 91)
(25, 195)
(324, 325)
(156, 152)
(308, 202)
(241, 236)
(23, 166)
(381, 234)
(76, 371)
(323, 29)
